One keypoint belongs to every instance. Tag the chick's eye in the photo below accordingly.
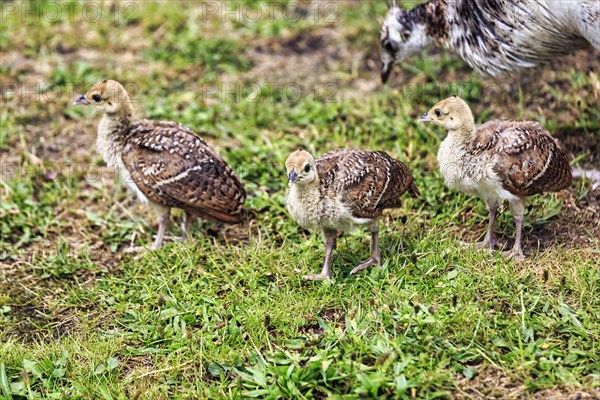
(96, 97)
(307, 168)
(438, 113)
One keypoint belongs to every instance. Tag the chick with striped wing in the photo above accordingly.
(343, 189)
(164, 163)
(498, 161)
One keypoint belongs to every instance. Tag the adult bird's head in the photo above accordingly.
(108, 96)
(301, 168)
(402, 34)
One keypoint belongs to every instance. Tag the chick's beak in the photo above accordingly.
(81, 100)
(425, 118)
(292, 178)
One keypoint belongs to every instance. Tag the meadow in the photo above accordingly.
(226, 314)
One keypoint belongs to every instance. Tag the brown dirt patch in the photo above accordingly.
(301, 43)
(579, 141)
(576, 226)
(302, 58)
(332, 316)
(312, 328)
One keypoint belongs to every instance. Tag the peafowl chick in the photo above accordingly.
(343, 189)
(164, 163)
(498, 161)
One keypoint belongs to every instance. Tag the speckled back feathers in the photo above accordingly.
(174, 167)
(367, 181)
(528, 160)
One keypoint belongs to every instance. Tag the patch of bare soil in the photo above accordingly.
(492, 383)
(31, 323)
(44, 143)
(302, 43)
(304, 57)
(238, 233)
(312, 328)
(317, 59)
(36, 312)
(580, 141)
(332, 316)
(576, 226)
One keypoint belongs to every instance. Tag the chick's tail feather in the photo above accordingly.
(413, 190)
(218, 216)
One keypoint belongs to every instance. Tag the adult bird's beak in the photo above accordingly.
(425, 118)
(81, 101)
(386, 69)
(292, 178)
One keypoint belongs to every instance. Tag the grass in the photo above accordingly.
(211, 318)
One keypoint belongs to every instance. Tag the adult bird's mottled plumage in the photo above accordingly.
(498, 161)
(343, 189)
(493, 37)
(165, 163)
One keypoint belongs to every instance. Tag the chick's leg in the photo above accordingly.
(164, 214)
(330, 239)
(488, 242)
(489, 236)
(518, 210)
(375, 258)
(186, 226)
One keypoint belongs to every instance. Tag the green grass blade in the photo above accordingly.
(4, 383)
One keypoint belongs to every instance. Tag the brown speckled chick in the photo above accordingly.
(166, 164)
(498, 161)
(342, 189)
